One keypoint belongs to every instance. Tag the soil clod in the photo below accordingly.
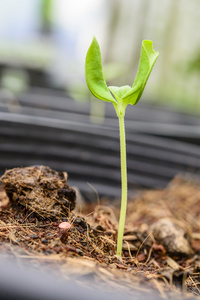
(40, 190)
(174, 239)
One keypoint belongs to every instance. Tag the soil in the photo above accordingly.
(161, 249)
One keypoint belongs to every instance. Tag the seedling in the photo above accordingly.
(120, 97)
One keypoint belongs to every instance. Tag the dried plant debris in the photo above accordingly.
(161, 245)
(40, 190)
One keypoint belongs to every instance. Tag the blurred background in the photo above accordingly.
(44, 100)
(51, 38)
(48, 117)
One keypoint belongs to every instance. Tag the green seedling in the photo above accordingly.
(120, 97)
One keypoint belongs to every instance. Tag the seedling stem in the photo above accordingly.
(124, 189)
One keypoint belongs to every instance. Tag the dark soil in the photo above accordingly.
(161, 239)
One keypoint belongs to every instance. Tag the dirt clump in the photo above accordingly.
(40, 189)
(172, 237)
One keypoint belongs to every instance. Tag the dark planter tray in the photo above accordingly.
(90, 153)
(143, 118)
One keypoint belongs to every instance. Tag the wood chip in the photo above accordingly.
(172, 263)
(132, 237)
(129, 246)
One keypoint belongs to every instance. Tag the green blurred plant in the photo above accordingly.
(194, 64)
(46, 15)
(120, 97)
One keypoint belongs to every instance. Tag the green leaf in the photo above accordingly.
(147, 60)
(119, 92)
(94, 74)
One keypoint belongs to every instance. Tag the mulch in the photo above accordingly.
(161, 248)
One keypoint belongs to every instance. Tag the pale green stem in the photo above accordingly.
(124, 189)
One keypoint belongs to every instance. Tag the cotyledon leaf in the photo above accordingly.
(94, 74)
(147, 60)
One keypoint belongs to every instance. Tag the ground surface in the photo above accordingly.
(161, 249)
